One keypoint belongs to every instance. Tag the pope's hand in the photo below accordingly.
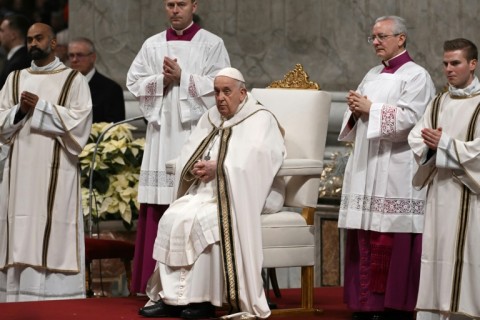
(205, 170)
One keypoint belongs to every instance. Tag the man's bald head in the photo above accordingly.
(41, 43)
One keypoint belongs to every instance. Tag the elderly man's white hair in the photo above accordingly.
(231, 73)
(399, 25)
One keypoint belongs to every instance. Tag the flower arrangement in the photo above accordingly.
(115, 175)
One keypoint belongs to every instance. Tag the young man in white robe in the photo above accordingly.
(45, 118)
(379, 207)
(172, 75)
(446, 144)
(208, 247)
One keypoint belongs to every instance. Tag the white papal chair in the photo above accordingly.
(288, 236)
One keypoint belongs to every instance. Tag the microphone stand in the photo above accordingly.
(90, 185)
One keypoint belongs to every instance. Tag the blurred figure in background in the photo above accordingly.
(107, 95)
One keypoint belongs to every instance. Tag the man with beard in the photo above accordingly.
(45, 118)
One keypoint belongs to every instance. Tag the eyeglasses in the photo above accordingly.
(381, 37)
(79, 55)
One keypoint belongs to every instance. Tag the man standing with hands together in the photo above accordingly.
(172, 76)
(379, 207)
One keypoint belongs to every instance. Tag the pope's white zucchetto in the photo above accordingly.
(231, 73)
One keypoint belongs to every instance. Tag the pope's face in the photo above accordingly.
(457, 69)
(229, 95)
(180, 12)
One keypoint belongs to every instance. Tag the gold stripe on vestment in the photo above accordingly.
(66, 87)
(435, 110)
(62, 100)
(54, 172)
(16, 76)
(462, 226)
(52, 189)
(225, 222)
(15, 93)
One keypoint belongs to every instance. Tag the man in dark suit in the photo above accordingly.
(13, 31)
(107, 95)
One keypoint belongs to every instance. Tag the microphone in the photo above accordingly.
(90, 184)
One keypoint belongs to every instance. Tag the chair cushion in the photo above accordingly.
(282, 218)
(297, 167)
(287, 240)
(108, 249)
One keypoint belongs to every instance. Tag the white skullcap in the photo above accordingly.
(231, 73)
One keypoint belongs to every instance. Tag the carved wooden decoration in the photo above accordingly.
(295, 79)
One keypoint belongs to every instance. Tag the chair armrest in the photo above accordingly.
(301, 167)
(170, 166)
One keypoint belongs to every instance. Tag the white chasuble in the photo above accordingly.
(377, 189)
(249, 150)
(450, 265)
(173, 111)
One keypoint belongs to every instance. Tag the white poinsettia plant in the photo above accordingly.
(115, 175)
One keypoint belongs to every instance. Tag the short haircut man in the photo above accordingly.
(172, 76)
(13, 31)
(382, 213)
(445, 143)
(107, 95)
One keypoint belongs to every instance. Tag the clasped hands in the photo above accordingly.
(28, 101)
(171, 71)
(431, 137)
(205, 170)
(358, 104)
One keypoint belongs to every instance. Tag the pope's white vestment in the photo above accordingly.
(377, 193)
(209, 245)
(173, 111)
(41, 221)
(450, 264)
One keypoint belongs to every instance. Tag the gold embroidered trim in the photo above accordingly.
(52, 188)
(15, 93)
(225, 222)
(435, 110)
(295, 79)
(462, 227)
(66, 87)
(61, 102)
(46, 72)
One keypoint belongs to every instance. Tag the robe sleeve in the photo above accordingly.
(426, 163)
(349, 127)
(70, 123)
(146, 84)
(196, 90)
(462, 158)
(8, 110)
(394, 121)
